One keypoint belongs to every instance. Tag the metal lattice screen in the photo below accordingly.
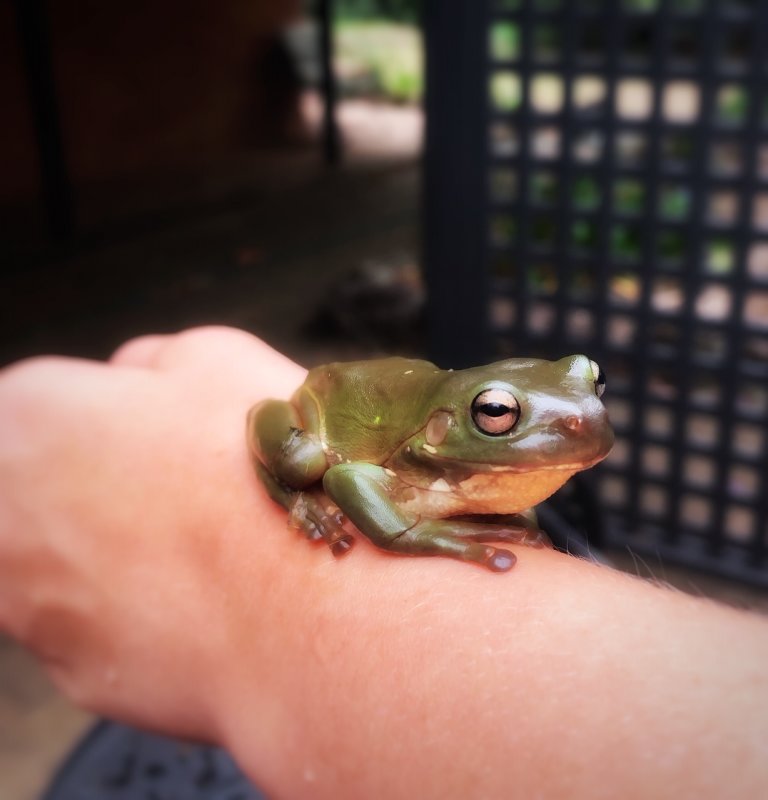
(609, 194)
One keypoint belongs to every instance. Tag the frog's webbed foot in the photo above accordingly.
(318, 518)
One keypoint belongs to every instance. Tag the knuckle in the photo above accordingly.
(213, 336)
(30, 370)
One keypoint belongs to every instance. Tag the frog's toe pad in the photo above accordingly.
(500, 560)
(342, 546)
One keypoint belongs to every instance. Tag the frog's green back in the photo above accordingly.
(368, 408)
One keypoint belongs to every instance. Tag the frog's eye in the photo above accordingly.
(495, 411)
(599, 378)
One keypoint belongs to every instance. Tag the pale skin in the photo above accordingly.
(146, 567)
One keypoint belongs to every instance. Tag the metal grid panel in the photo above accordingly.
(625, 214)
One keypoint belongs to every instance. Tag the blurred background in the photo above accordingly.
(459, 179)
(164, 167)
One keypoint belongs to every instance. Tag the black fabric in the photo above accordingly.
(116, 762)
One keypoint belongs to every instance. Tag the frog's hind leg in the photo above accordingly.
(442, 538)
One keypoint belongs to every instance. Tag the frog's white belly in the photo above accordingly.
(484, 493)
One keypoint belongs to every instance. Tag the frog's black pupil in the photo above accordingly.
(600, 382)
(494, 409)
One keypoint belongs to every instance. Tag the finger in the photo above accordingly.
(212, 358)
(193, 348)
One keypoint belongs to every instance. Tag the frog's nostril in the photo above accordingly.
(572, 422)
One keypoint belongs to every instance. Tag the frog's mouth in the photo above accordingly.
(574, 466)
(478, 467)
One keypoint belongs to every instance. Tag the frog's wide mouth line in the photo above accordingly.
(575, 466)
(578, 465)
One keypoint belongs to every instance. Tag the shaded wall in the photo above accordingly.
(145, 88)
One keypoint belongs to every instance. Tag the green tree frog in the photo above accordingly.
(418, 458)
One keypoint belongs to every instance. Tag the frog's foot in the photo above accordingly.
(437, 538)
(318, 518)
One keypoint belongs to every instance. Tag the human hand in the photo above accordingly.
(125, 493)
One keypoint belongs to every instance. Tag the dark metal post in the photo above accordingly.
(331, 138)
(32, 23)
(454, 180)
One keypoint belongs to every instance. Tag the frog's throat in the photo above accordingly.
(485, 493)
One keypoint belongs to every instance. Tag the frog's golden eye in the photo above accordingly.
(495, 411)
(599, 378)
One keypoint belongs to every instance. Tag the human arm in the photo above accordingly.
(141, 560)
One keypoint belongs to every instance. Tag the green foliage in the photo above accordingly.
(732, 105)
(720, 257)
(641, 6)
(586, 193)
(629, 196)
(385, 57)
(506, 90)
(675, 201)
(543, 188)
(625, 242)
(401, 10)
(504, 41)
(671, 248)
(584, 235)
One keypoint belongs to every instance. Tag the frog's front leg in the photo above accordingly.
(288, 460)
(364, 491)
(310, 511)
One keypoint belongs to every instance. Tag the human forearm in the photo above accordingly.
(561, 679)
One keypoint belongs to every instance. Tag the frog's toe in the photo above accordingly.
(312, 532)
(537, 539)
(318, 520)
(507, 532)
(328, 520)
(530, 537)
